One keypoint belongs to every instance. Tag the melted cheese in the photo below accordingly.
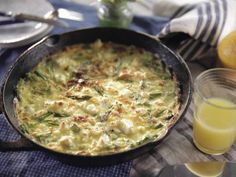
(97, 98)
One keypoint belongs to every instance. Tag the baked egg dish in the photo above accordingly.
(96, 99)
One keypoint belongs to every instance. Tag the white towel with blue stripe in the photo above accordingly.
(207, 22)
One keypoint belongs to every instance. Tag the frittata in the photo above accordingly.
(95, 99)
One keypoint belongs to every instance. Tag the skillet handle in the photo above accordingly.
(21, 144)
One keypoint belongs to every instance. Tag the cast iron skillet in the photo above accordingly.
(52, 44)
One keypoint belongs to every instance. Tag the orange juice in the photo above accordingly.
(206, 169)
(214, 126)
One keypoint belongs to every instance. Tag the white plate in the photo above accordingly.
(19, 34)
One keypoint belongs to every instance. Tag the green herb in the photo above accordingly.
(169, 115)
(43, 116)
(57, 114)
(105, 116)
(51, 66)
(146, 104)
(154, 95)
(159, 126)
(41, 88)
(113, 135)
(75, 128)
(39, 74)
(49, 113)
(165, 77)
(42, 138)
(31, 77)
(52, 122)
(82, 98)
(125, 79)
(147, 115)
(24, 128)
(152, 63)
(99, 89)
(146, 139)
(159, 113)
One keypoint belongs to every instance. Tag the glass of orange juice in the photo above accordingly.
(214, 100)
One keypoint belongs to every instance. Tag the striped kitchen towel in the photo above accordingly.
(205, 22)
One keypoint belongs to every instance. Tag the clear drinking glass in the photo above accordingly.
(214, 99)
